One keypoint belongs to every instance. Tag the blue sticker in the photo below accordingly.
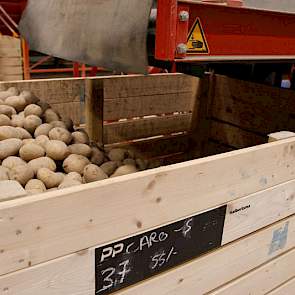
(279, 239)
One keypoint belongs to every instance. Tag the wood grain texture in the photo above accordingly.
(234, 136)
(139, 106)
(13, 61)
(10, 77)
(147, 127)
(137, 85)
(74, 274)
(58, 223)
(285, 289)
(263, 279)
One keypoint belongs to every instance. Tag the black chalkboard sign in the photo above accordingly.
(132, 260)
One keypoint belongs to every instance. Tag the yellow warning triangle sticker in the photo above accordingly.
(196, 42)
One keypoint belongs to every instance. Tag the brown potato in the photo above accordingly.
(142, 164)
(43, 129)
(109, 167)
(35, 186)
(12, 161)
(58, 124)
(17, 102)
(68, 183)
(31, 122)
(29, 97)
(23, 133)
(7, 110)
(80, 149)
(33, 109)
(42, 140)
(117, 154)
(129, 162)
(21, 173)
(125, 169)
(73, 176)
(75, 163)
(50, 115)
(28, 140)
(56, 150)
(4, 173)
(62, 134)
(31, 151)
(80, 137)
(8, 132)
(49, 178)
(4, 120)
(97, 157)
(12, 91)
(69, 123)
(43, 104)
(9, 147)
(43, 162)
(93, 173)
(17, 121)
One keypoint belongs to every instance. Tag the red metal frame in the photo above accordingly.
(232, 31)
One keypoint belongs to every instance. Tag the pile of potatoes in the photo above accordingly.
(43, 152)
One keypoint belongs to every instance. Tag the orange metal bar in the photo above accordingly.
(26, 60)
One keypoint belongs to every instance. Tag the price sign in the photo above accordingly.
(132, 260)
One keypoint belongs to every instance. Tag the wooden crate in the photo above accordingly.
(10, 59)
(51, 243)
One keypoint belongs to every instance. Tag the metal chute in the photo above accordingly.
(105, 33)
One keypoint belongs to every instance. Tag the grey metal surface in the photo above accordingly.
(105, 33)
(274, 5)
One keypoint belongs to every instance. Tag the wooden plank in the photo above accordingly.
(11, 189)
(74, 274)
(11, 70)
(153, 147)
(234, 136)
(52, 90)
(9, 42)
(139, 106)
(12, 61)
(263, 279)
(10, 52)
(147, 127)
(138, 85)
(280, 135)
(77, 218)
(94, 109)
(285, 289)
(11, 78)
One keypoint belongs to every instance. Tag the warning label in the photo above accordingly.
(196, 42)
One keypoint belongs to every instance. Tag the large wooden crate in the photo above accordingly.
(10, 59)
(50, 243)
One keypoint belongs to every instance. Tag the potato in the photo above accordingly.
(42, 140)
(43, 129)
(58, 124)
(8, 132)
(49, 178)
(109, 167)
(22, 114)
(5, 120)
(28, 140)
(12, 161)
(117, 154)
(7, 110)
(62, 134)
(12, 91)
(69, 183)
(4, 173)
(21, 173)
(23, 133)
(31, 122)
(73, 176)
(69, 123)
(97, 157)
(56, 150)
(80, 149)
(17, 121)
(33, 109)
(43, 162)
(142, 164)
(131, 154)
(125, 169)
(129, 162)
(80, 137)
(50, 115)
(43, 104)
(17, 102)
(35, 186)
(75, 163)
(31, 151)
(29, 97)
(9, 147)
(93, 173)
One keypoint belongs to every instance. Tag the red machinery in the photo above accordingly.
(186, 31)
